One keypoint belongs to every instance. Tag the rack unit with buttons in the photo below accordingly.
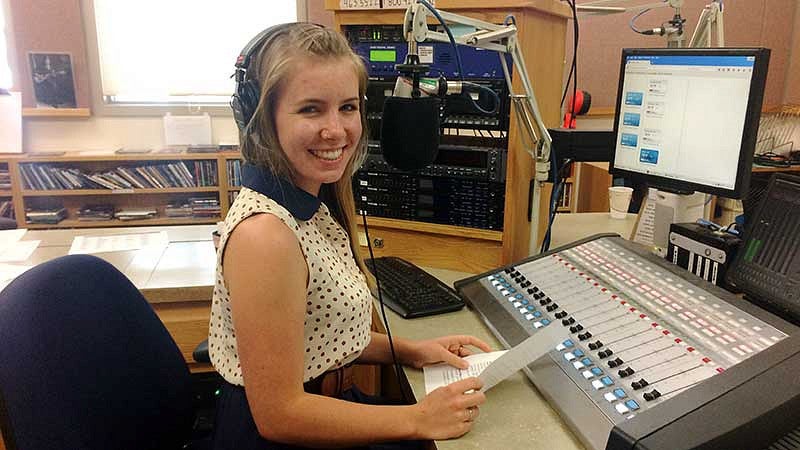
(642, 331)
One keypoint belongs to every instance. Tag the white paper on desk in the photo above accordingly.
(523, 354)
(8, 272)
(19, 251)
(10, 237)
(187, 130)
(119, 242)
(443, 374)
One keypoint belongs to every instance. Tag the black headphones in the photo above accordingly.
(244, 101)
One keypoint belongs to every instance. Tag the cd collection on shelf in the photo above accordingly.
(234, 172)
(173, 174)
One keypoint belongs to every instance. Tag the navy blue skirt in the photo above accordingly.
(234, 428)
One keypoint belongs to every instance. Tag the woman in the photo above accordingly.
(292, 307)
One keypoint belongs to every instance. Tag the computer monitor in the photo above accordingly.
(687, 119)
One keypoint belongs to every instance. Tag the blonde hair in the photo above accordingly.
(259, 141)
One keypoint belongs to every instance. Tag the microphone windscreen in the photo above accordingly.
(410, 132)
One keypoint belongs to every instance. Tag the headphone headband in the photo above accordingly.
(245, 98)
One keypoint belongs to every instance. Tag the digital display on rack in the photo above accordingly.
(383, 55)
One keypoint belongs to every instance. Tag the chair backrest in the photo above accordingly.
(85, 363)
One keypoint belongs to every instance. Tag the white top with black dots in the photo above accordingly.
(338, 304)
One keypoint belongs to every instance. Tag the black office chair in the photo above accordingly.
(7, 223)
(85, 363)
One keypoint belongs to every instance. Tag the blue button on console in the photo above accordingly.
(545, 322)
(632, 404)
(512, 290)
(568, 343)
(620, 393)
(524, 302)
(586, 361)
(519, 296)
(578, 352)
(607, 381)
(597, 371)
(537, 314)
(531, 308)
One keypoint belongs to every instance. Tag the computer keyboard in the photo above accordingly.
(412, 292)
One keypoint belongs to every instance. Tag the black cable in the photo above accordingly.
(633, 20)
(574, 65)
(397, 368)
(574, 58)
(558, 178)
(558, 184)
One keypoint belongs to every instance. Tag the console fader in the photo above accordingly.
(642, 331)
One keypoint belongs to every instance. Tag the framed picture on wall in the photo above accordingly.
(53, 80)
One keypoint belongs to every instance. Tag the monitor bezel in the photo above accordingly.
(751, 123)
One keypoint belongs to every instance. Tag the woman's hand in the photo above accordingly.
(447, 349)
(449, 411)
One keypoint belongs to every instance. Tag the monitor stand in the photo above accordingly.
(672, 208)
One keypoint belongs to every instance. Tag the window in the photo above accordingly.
(176, 52)
(5, 70)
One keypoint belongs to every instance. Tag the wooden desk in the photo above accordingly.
(516, 415)
(178, 280)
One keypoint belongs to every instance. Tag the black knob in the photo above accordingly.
(626, 372)
(584, 336)
(595, 345)
(569, 321)
(636, 385)
(552, 307)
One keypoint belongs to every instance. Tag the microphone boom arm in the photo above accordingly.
(502, 39)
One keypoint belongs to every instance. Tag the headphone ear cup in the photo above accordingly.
(244, 103)
(586, 104)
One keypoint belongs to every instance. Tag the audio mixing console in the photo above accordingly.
(642, 331)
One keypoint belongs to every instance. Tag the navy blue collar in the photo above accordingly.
(300, 203)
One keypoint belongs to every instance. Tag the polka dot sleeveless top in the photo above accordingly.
(338, 304)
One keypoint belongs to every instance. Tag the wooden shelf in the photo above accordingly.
(433, 228)
(81, 113)
(6, 193)
(74, 223)
(234, 188)
(88, 156)
(92, 192)
(795, 168)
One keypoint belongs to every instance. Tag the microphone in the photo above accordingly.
(410, 123)
(411, 119)
(410, 131)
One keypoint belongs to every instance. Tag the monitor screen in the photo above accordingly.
(686, 119)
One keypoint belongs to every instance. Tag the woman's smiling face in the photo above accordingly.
(318, 120)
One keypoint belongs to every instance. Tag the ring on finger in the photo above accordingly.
(470, 413)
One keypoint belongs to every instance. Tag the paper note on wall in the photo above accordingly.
(187, 130)
(11, 123)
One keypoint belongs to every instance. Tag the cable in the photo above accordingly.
(559, 180)
(633, 20)
(492, 93)
(398, 370)
(449, 35)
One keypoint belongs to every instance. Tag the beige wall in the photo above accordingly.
(98, 133)
(792, 93)
(600, 40)
(748, 23)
